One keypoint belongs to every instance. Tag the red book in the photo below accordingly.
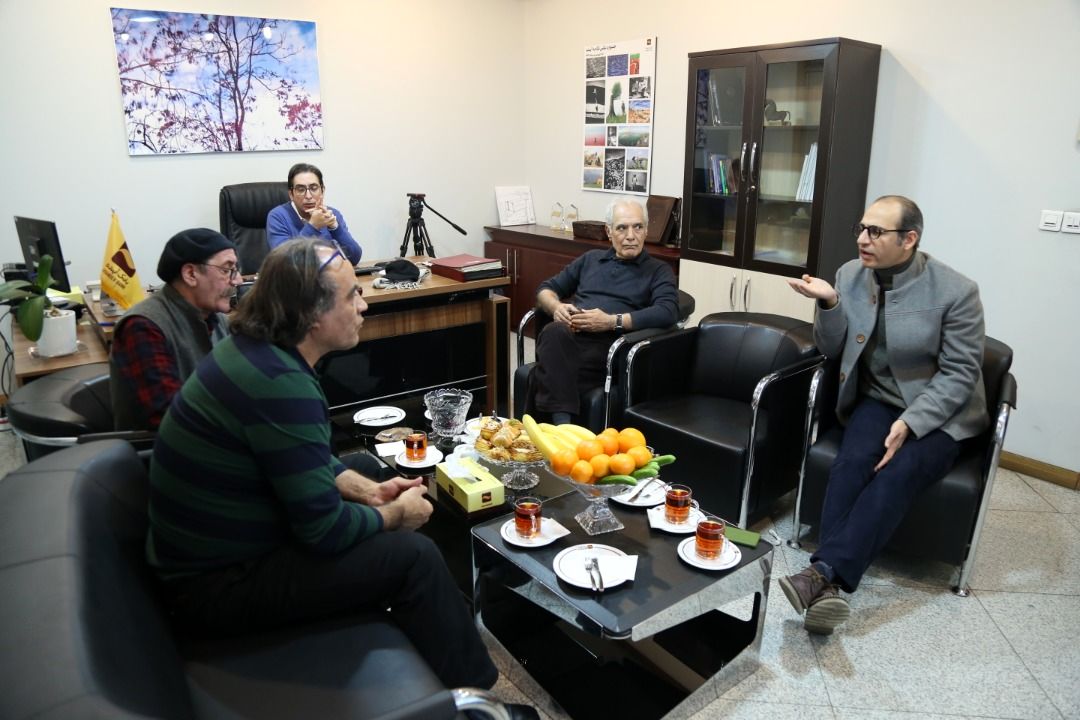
(467, 267)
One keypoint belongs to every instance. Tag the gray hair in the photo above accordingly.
(609, 216)
(290, 295)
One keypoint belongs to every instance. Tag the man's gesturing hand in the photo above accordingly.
(815, 288)
(591, 321)
(897, 435)
(563, 313)
(387, 491)
(414, 508)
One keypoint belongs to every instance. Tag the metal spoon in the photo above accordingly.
(634, 495)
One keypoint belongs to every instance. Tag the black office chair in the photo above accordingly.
(601, 406)
(242, 215)
(728, 398)
(51, 412)
(946, 521)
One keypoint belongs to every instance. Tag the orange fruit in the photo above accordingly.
(586, 449)
(610, 441)
(600, 465)
(609, 431)
(581, 472)
(630, 437)
(621, 464)
(562, 461)
(641, 455)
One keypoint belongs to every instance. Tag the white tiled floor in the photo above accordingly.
(912, 649)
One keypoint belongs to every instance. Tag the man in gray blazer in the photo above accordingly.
(909, 333)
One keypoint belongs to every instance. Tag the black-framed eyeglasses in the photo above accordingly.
(231, 270)
(873, 230)
(307, 189)
(327, 261)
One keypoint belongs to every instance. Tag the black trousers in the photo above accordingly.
(400, 570)
(568, 364)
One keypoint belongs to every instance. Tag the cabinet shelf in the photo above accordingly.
(720, 127)
(784, 198)
(812, 128)
(716, 196)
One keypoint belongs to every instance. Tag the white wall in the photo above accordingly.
(418, 96)
(978, 112)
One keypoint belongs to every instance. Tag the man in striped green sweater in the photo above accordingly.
(254, 523)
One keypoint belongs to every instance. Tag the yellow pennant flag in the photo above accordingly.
(118, 277)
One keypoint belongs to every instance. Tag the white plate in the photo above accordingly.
(434, 455)
(550, 531)
(658, 520)
(653, 495)
(427, 414)
(569, 564)
(473, 426)
(729, 558)
(378, 416)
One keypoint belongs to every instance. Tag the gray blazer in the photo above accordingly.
(934, 322)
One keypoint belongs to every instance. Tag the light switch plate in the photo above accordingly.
(1071, 222)
(1050, 220)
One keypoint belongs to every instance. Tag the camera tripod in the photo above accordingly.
(417, 228)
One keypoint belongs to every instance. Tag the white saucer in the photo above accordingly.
(569, 564)
(434, 455)
(729, 558)
(550, 531)
(658, 520)
(653, 495)
(427, 414)
(379, 416)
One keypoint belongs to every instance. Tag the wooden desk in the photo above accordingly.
(91, 350)
(101, 324)
(443, 304)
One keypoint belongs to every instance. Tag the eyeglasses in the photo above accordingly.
(231, 270)
(872, 230)
(307, 189)
(623, 229)
(327, 261)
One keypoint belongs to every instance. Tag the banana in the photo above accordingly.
(540, 439)
(560, 441)
(568, 437)
(582, 433)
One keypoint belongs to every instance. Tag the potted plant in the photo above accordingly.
(40, 321)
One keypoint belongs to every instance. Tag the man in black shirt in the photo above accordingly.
(607, 293)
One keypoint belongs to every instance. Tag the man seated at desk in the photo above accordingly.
(307, 215)
(254, 523)
(158, 342)
(610, 292)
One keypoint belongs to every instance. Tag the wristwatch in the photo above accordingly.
(618, 323)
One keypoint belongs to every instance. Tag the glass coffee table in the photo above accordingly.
(671, 639)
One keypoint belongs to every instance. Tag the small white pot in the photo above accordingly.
(58, 335)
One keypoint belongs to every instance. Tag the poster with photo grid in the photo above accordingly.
(620, 92)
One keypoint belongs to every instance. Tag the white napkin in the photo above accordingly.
(658, 519)
(390, 449)
(616, 568)
(552, 528)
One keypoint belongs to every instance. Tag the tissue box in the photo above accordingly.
(471, 493)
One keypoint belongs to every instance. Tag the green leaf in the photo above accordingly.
(44, 274)
(31, 317)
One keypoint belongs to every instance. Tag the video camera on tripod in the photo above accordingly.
(417, 228)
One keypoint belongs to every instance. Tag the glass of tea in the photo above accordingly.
(416, 446)
(527, 516)
(709, 540)
(677, 504)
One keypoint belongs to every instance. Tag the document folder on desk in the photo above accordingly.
(467, 267)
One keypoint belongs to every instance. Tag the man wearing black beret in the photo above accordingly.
(158, 342)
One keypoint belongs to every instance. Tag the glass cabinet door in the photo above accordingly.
(720, 118)
(788, 149)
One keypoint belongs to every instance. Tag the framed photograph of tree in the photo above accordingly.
(201, 83)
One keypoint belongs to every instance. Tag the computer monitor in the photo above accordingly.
(38, 238)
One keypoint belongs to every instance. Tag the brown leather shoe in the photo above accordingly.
(801, 589)
(826, 612)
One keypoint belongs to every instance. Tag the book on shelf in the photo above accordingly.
(805, 192)
(467, 267)
(719, 174)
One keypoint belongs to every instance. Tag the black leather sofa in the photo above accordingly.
(54, 410)
(86, 636)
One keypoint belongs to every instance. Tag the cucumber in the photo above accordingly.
(663, 459)
(645, 472)
(616, 479)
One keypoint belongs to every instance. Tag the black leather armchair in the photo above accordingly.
(54, 410)
(728, 398)
(946, 521)
(602, 406)
(87, 636)
(242, 213)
